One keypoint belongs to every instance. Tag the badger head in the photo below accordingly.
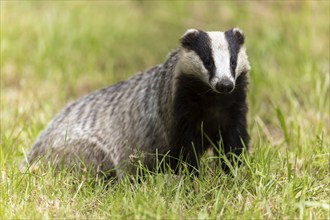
(217, 58)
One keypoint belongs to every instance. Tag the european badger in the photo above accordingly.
(200, 88)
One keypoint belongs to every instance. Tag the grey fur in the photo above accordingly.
(111, 125)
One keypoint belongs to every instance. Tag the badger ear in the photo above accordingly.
(239, 36)
(188, 38)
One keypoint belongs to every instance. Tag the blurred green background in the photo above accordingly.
(54, 52)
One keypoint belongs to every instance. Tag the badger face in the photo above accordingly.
(217, 58)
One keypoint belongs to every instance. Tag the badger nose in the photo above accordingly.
(225, 86)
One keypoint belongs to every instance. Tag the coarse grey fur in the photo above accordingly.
(113, 128)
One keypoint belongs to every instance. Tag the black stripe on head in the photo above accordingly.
(200, 42)
(235, 39)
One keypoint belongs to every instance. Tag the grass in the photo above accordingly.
(55, 52)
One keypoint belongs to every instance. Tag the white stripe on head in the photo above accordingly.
(221, 56)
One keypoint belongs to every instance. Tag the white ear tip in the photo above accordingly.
(236, 29)
(190, 31)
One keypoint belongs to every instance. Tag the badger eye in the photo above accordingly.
(233, 62)
(209, 63)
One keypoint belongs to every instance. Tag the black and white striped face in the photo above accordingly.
(217, 58)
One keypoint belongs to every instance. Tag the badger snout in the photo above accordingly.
(225, 86)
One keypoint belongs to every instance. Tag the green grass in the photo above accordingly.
(55, 52)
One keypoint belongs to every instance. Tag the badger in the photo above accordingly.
(164, 112)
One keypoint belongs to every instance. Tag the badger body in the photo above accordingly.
(199, 91)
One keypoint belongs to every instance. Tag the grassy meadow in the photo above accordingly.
(54, 52)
